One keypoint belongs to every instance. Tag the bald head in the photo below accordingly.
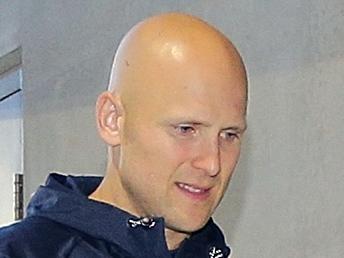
(176, 111)
(169, 45)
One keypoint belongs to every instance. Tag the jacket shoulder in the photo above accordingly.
(35, 237)
(39, 237)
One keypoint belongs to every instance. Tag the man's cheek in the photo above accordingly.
(180, 152)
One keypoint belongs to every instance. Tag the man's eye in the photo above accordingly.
(229, 136)
(185, 129)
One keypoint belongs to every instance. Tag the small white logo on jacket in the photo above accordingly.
(215, 253)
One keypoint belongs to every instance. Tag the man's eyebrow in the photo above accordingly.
(239, 127)
(188, 120)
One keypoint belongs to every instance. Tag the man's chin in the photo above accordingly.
(187, 227)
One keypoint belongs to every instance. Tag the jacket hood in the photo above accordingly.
(64, 199)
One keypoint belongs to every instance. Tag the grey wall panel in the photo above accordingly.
(9, 25)
(285, 199)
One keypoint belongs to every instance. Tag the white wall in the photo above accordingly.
(10, 111)
(10, 146)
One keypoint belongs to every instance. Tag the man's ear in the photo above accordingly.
(109, 113)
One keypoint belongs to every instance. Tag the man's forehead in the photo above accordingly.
(228, 121)
(181, 107)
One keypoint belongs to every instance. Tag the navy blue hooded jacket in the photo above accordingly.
(62, 222)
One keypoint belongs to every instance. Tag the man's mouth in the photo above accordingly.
(191, 188)
(194, 191)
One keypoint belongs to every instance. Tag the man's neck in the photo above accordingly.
(174, 239)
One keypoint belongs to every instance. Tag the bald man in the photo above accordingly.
(173, 119)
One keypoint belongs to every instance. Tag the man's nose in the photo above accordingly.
(208, 158)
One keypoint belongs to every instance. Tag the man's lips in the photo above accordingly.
(194, 191)
(192, 188)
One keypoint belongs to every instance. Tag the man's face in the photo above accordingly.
(180, 143)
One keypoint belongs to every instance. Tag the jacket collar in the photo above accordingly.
(64, 199)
